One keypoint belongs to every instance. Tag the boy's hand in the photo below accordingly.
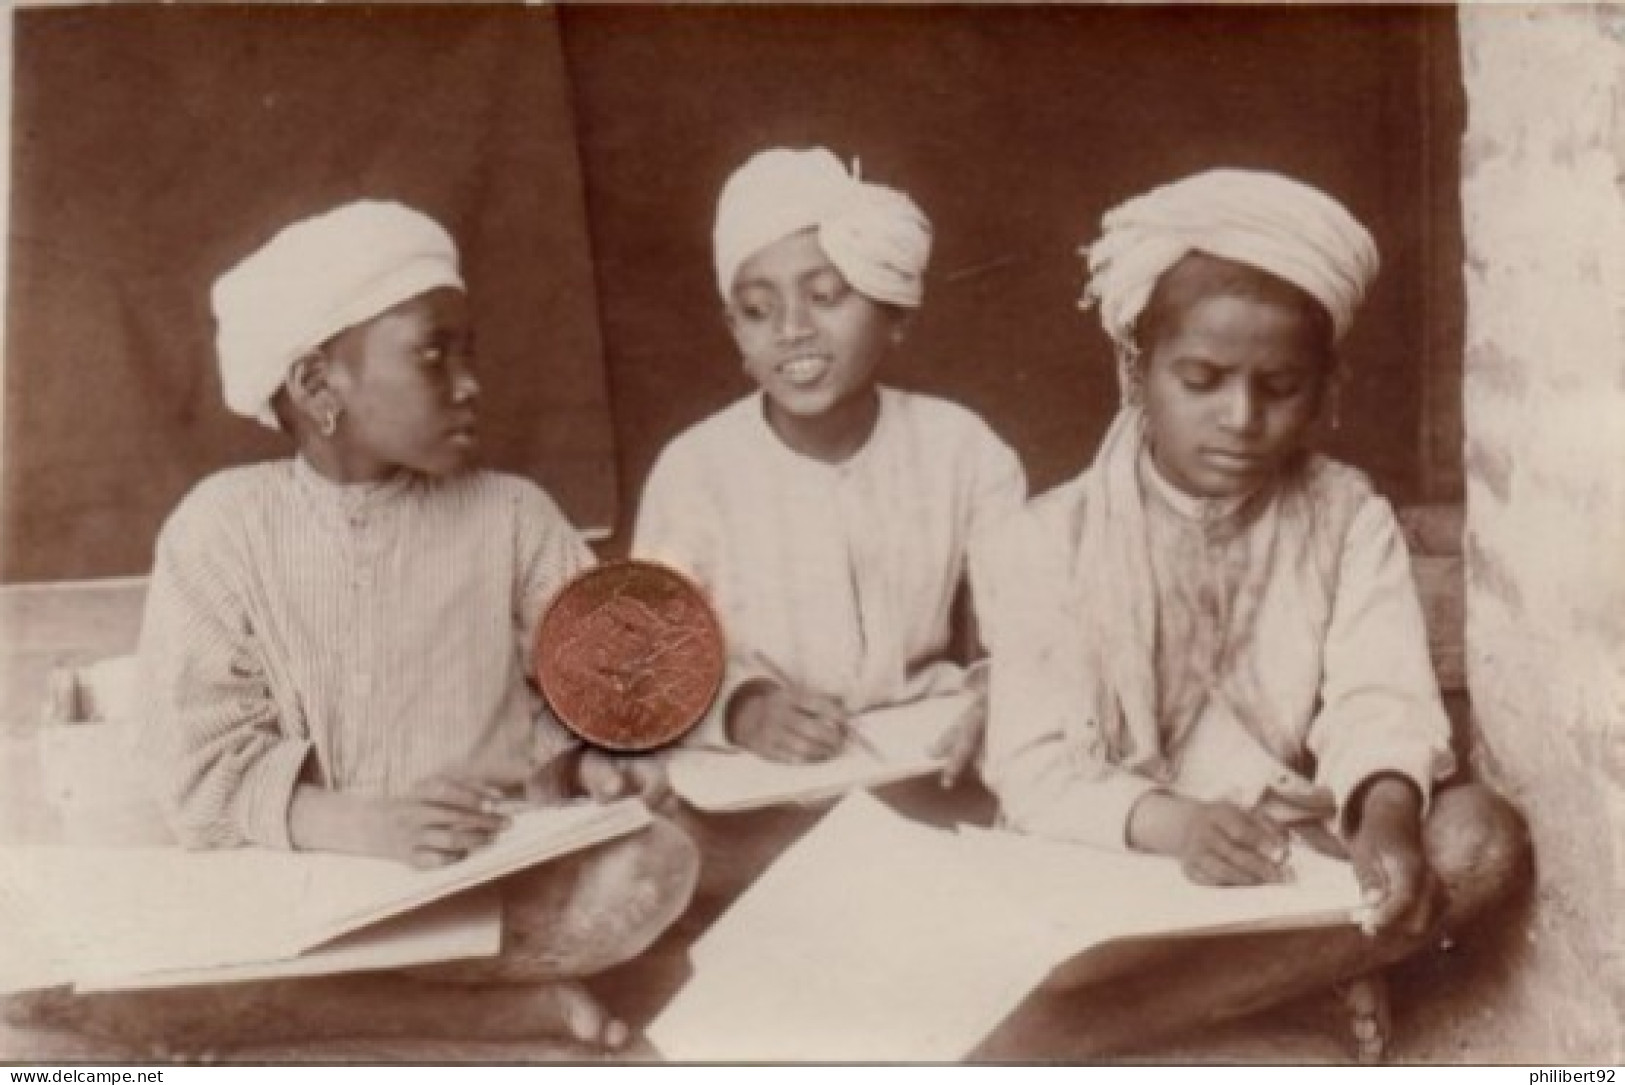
(1216, 843)
(440, 821)
(606, 777)
(960, 744)
(1226, 845)
(1401, 891)
(782, 725)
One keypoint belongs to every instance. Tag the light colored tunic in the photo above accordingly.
(378, 634)
(841, 577)
(1289, 654)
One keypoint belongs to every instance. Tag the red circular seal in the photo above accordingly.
(629, 655)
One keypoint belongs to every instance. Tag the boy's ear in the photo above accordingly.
(1333, 375)
(308, 387)
(902, 323)
(730, 317)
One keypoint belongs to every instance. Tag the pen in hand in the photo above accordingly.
(506, 807)
(855, 737)
(511, 808)
(1278, 852)
(813, 706)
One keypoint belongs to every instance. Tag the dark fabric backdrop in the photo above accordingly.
(1014, 127)
(154, 146)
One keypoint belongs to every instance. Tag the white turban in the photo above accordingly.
(875, 236)
(1265, 220)
(315, 279)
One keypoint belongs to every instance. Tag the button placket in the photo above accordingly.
(363, 633)
(843, 503)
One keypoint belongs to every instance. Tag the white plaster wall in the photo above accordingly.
(1544, 388)
(5, 191)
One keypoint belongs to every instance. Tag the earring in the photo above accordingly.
(1130, 381)
(1334, 406)
(329, 424)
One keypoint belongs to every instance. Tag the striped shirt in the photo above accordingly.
(364, 636)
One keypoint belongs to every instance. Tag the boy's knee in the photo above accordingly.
(645, 878)
(618, 899)
(1478, 844)
(665, 857)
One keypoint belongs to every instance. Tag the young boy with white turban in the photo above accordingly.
(827, 516)
(335, 647)
(1213, 633)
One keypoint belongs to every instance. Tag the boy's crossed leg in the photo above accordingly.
(562, 923)
(1129, 996)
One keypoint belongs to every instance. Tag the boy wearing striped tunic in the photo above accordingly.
(335, 650)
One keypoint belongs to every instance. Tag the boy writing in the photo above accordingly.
(335, 646)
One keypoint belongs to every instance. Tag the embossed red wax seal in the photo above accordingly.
(629, 655)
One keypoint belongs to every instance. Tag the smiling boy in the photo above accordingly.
(828, 515)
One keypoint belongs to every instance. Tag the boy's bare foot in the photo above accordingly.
(1365, 999)
(160, 1051)
(136, 1023)
(195, 1025)
(566, 1009)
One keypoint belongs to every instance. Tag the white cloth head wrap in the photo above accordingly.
(875, 236)
(313, 280)
(1265, 220)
